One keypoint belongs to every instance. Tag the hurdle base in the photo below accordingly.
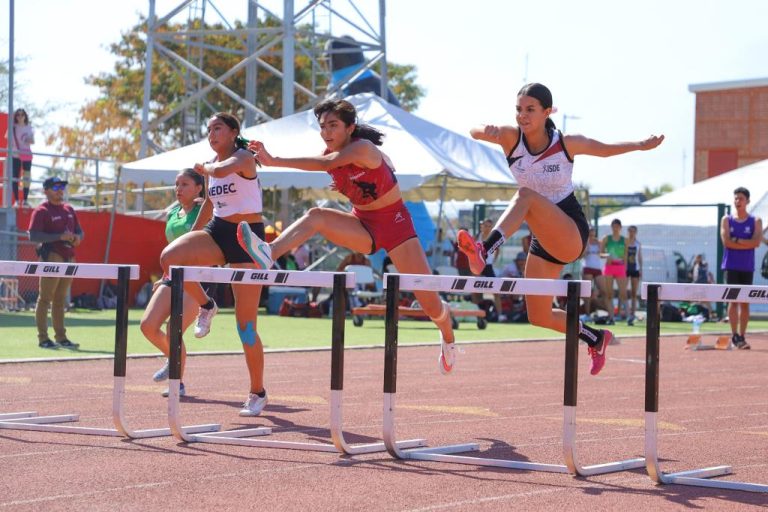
(695, 343)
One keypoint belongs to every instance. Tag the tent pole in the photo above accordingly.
(439, 218)
(111, 225)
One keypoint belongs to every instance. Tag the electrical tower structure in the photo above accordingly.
(343, 40)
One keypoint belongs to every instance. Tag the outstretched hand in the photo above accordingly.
(651, 142)
(492, 131)
(260, 153)
(200, 169)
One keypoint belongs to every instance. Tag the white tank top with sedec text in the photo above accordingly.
(234, 194)
(549, 172)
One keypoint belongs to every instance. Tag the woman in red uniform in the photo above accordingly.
(379, 219)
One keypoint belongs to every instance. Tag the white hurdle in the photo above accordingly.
(336, 280)
(123, 273)
(573, 290)
(654, 293)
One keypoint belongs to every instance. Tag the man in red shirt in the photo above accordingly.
(55, 227)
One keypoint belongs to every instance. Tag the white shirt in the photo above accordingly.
(549, 172)
(234, 194)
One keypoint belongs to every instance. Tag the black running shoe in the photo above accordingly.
(68, 344)
(47, 344)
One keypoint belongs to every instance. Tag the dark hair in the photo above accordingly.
(541, 93)
(21, 111)
(632, 227)
(346, 112)
(742, 190)
(616, 221)
(196, 177)
(233, 123)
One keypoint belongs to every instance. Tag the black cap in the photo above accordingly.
(50, 182)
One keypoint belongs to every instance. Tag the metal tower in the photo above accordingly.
(342, 39)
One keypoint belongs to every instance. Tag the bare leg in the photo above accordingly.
(609, 295)
(195, 248)
(153, 322)
(246, 310)
(540, 311)
(634, 285)
(409, 258)
(621, 282)
(743, 317)
(556, 231)
(343, 229)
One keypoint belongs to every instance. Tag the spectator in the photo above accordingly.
(55, 227)
(302, 256)
(613, 247)
(23, 138)
(440, 251)
(516, 268)
(741, 234)
(460, 260)
(590, 271)
(633, 260)
(700, 274)
(486, 226)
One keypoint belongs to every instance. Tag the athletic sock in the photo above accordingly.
(209, 304)
(262, 394)
(495, 240)
(590, 335)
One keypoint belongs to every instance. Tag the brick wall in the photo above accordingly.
(731, 130)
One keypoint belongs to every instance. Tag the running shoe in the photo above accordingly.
(254, 404)
(47, 344)
(447, 358)
(182, 391)
(473, 250)
(204, 319)
(598, 354)
(68, 344)
(162, 374)
(259, 250)
(743, 345)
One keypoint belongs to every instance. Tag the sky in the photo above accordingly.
(618, 71)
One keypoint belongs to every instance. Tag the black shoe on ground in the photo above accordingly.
(743, 345)
(68, 344)
(47, 344)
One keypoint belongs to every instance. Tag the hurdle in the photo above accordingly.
(30, 420)
(654, 293)
(573, 290)
(336, 280)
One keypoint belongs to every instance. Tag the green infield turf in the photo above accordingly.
(95, 332)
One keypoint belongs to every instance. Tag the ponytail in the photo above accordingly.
(549, 124)
(367, 132)
(242, 143)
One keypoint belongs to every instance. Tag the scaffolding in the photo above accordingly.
(326, 32)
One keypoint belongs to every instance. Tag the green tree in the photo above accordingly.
(109, 127)
(656, 192)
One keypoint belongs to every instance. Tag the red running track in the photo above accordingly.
(506, 396)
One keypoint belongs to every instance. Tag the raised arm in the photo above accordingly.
(241, 162)
(581, 145)
(504, 136)
(360, 152)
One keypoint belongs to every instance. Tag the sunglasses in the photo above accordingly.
(58, 187)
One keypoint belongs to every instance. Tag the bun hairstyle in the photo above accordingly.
(346, 112)
(543, 94)
(232, 122)
(196, 177)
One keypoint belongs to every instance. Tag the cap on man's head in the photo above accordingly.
(50, 182)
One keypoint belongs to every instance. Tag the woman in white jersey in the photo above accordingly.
(234, 195)
(590, 270)
(541, 160)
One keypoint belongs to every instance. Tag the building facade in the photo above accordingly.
(731, 126)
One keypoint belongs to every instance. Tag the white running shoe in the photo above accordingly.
(204, 319)
(182, 391)
(162, 374)
(447, 357)
(259, 250)
(254, 405)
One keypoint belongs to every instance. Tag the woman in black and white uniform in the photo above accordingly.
(541, 160)
(234, 196)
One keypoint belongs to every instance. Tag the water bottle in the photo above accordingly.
(697, 320)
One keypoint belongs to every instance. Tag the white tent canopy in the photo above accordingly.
(426, 156)
(692, 230)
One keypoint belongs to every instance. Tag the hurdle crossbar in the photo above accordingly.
(573, 290)
(337, 281)
(654, 293)
(123, 274)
